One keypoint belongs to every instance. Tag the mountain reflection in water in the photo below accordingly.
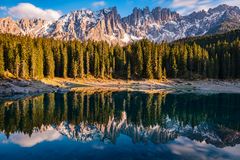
(176, 123)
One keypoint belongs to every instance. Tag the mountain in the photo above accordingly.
(158, 24)
(216, 135)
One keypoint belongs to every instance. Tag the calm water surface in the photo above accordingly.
(120, 125)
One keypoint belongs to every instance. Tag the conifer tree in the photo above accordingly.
(79, 59)
(173, 64)
(128, 69)
(17, 66)
(96, 63)
(149, 73)
(9, 57)
(139, 61)
(1, 61)
(155, 61)
(48, 60)
(23, 52)
(64, 61)
(32, 61)
(164, 73)
(72, 64)
(56, 49)
(39, 60)
(103, 52)
(159, 67)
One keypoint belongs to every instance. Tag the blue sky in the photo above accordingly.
(52, 9)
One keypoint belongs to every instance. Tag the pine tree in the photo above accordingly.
(112, 62)
(139, 61)
(103, 52)
(72, 63)
(173, 64)
(32, 61)
(9, 57)
(17, 66)
(164, 73)
(64, 61)
(87, 63)
(79, 59)
(155, 61)
(210, 68)
(190, 62)
(159, 67)
(39, 59)
(96, 63)
(56, 49)
(148, 60)
(48, 60)
(183, 62)
(23, 52)
(1, 61)
(128, 69)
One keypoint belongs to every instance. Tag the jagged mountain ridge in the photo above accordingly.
(211, 134)
(156, 25)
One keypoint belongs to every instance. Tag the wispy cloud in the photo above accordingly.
(3, 8)
(28, 10)
(231, 2)
(187, 6)
(183, 3)
(99, 4)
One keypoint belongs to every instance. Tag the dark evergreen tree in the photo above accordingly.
(1, 61)
(48, 60)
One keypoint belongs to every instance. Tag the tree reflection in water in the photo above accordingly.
(144, 117)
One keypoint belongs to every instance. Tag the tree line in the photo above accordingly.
(29, 58)
(99, 108)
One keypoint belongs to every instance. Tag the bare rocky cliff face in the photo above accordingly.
(158, 24)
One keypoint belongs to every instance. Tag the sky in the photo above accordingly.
(53, 9)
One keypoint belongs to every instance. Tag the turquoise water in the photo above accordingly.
(120, 125)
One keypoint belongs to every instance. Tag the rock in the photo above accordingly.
(7, 85)
(23, 83)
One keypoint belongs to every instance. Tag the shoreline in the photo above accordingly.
(10, 87)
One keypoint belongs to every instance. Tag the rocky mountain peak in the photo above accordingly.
(27, 25)
(111, 13)
(157, 15)
(222, 8)
(198, 15)
(8, 25)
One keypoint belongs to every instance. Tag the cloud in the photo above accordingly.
(37, 137)
(99, 4)
(28, 10)
(200, 150)
(183, 3)
(3, 8)
(185, 7)
(232, 2)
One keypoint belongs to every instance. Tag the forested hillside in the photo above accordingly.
(207, 57)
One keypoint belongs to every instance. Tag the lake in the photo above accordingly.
(120, 125)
